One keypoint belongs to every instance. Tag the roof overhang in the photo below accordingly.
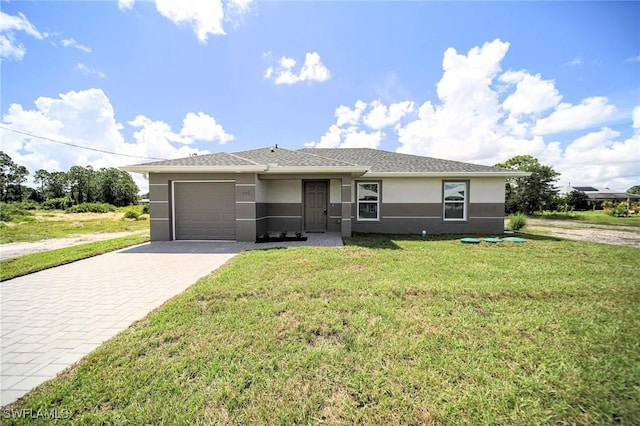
(145, 169)
(457, 175)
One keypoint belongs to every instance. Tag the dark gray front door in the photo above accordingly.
(315, 206)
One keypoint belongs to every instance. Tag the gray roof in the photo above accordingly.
(381, 161)
(219, 159)
(371, 161)
(286, 158)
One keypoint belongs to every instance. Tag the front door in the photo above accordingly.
(315, 206)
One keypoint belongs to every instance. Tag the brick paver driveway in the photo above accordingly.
(51, 319)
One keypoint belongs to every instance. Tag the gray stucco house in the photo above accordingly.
(242, 195)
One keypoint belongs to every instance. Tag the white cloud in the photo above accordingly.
(203, 127)
(69, 42)
(600, 159)
(126, 4)
(89, 71)
(312, 70)
(348, 131)
(486, 117)
(636, 119)
(382, 116)
(87, 118)
(204, 17)
(634, 59)
(350, 137)
(346, 115)
(532, 95)
(10, 48)
(589, 112)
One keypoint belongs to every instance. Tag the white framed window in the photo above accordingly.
(455, 200)
(368, 201)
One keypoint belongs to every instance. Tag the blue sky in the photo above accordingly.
(469, 81)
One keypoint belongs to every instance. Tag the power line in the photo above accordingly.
(77, 146)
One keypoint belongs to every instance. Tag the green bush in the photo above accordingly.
(29, 205)
(131, 215)
(62, 203)
(14, 212)
(145, 209)
(619, 210)
(517, 222)
(92, 208)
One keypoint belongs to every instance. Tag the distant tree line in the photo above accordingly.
(64, 189)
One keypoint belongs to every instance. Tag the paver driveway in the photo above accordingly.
(51, 319)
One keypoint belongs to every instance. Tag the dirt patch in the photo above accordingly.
(616, 235)
(10, 250)
(58, 215)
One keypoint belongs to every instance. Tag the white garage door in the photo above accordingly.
(205, 210)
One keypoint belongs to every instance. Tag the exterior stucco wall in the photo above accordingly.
(410, 205)
(275, 203)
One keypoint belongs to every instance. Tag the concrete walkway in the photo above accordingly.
(53, 318)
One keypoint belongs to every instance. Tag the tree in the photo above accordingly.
(529, 194)
(634, 189)
(577, 200)
(116, 187)
(83, 185)
(12, 176)
(57, 186)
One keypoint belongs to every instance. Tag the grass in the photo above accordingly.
(597, 217)
(23, 265)
(382, 331)
(57, 224)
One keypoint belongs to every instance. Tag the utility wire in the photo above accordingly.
(77, 146)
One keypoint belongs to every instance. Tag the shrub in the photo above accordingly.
(62, 203)
(145, 209)
(92, 208)
(29, 205)
(517, 222)
(14, 212)
(131, 215)
(619, 210)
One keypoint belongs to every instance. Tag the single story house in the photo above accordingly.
(597, 196)
(243, 195)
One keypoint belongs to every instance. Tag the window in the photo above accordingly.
(455, 200)
(368, 200)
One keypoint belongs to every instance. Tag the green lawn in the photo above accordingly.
(598, 217)
(23, 265)
(57, 224)
(383, 331)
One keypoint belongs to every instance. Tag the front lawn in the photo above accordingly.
(383, 331)
(58, 224)
(27, 264)
(598, 217)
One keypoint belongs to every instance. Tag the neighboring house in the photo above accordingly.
(597, 196)
(243, 195)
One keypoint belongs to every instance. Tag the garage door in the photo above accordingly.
(205, 211)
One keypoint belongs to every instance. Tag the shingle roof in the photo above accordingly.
(381, 161)
(286, 158)
(372, 161)
(219, 159)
